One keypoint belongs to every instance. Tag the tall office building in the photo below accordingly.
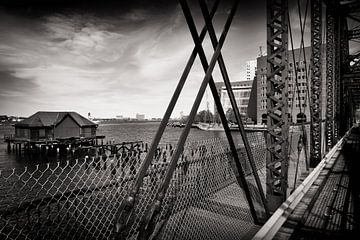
(251, 69)
(294, 105)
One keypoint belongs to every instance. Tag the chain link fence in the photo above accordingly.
(205, 200)
(78, 199)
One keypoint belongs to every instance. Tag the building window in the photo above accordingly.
(301, 117)
(263, 118)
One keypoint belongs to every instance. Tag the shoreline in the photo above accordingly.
(114, 121)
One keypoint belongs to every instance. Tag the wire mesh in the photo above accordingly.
(298, 156)
(66, 200)
(79, 199)
(205, 200)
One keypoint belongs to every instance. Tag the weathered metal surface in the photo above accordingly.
(316, 81)
(277, 106)
(330, 74)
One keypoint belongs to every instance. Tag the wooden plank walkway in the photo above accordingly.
(327, 210)
(326, 204)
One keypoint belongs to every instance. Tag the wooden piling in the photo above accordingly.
(9, 147)
(19, 148)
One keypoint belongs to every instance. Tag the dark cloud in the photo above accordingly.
(104, 54)
(38, 8)
(10, 85)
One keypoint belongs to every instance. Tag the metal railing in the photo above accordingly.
(280, 216)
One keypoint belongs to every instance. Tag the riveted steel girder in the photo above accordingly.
(345, 67)
(337, 82)
(277, 117)
(330, 54)
(316, 37)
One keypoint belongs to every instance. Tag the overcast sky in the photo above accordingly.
(112, 59)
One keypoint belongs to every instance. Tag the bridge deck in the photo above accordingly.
(329, 207)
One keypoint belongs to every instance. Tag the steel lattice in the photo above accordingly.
(277, 115)
(337, 83)
(330, 54)
(316, 40)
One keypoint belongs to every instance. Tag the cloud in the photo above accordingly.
(110, 64)
(12, 86)
(76, 57)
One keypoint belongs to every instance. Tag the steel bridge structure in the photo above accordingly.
(218, 188)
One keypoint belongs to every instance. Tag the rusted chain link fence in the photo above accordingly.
(78, 199)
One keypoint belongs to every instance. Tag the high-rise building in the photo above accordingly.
(294, 105)
(251, 67)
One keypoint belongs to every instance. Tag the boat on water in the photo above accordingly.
(96, 121)
(219, 127)
(209, 126)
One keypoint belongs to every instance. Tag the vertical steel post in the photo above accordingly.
(277, 105)
(316, 38)
(330, 46)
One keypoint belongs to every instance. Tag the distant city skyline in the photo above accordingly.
(112, 58)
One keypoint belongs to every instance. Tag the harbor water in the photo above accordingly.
(119, 132)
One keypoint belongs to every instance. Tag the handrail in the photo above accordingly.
(272, 226)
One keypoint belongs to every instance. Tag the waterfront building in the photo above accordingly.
(241, 89)
(294, 105)
(54, 125)
(4, 118)
(140, 116)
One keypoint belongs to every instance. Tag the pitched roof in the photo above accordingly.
(51, 119)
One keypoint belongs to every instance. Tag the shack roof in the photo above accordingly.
(51, 119)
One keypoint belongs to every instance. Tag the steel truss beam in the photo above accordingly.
(330, 54)
(354, 34)
(316, 38)
(277, 105)
(148, 223)
(231, 95)
(337, 79)
(126, 210)
(345, 67)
